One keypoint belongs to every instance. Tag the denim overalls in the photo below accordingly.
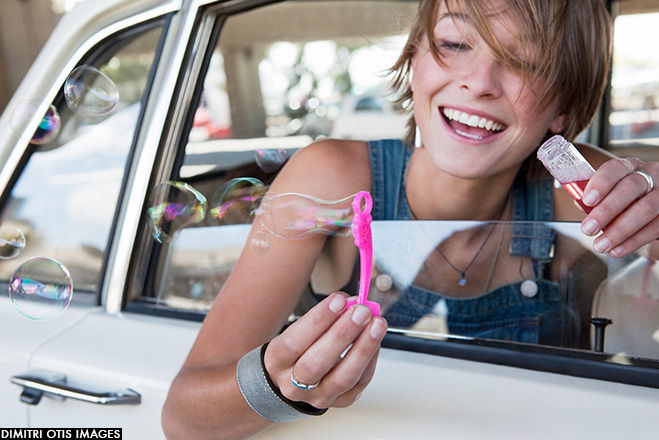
(503, 313)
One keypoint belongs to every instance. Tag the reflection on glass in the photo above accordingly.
(528, 282)
(522, 282)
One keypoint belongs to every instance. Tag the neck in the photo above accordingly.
(435, 195)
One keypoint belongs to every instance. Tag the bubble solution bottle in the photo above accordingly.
(567, 165)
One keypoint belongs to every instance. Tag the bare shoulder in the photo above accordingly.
(328, 169)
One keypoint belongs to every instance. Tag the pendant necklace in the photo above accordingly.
(463, 272)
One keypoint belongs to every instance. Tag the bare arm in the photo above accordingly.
(204, 400)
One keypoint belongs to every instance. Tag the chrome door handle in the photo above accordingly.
(34, 387)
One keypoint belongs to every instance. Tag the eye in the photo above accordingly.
(452, 46)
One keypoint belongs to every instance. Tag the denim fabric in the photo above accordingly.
(503, 313)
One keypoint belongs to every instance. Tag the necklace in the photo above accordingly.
(463, 272)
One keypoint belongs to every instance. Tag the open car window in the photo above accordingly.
(263, 95)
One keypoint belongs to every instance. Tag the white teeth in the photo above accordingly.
(464, 118)
(472, 120)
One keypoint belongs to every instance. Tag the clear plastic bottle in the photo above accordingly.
(567, 165)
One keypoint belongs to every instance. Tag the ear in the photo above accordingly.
(558, 124)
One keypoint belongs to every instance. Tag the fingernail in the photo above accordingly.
(590, 227)
(337, 304)
(617, 251)
(360, 315)
(378, 329)
(590, 198)
(602, 245)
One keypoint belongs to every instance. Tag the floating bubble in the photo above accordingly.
(26, 111)
(260, 242)
(271, 160)
(88, 90)
(12, 242)
(236, 201)
(174, 206)
(296, 216)
(41, 288)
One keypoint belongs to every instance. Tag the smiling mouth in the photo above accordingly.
(471, 126)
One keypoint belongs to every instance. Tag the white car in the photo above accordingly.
(81, 193)
(369, 116)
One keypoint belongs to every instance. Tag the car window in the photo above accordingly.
(634, 116)
(65, 196)
(265, 94)
(269, 86)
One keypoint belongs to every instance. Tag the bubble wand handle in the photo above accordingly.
(361, 229)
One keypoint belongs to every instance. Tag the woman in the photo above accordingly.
(488, 85)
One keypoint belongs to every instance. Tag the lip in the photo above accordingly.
(480, 114)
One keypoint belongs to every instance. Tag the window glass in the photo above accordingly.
(65, 197)
(634, 118)
(273, 85)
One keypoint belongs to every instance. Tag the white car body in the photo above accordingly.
(104, 348)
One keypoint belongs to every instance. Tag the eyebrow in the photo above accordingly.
(454, 15)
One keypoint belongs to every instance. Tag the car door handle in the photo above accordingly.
(35, 386)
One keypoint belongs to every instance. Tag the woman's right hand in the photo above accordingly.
(313, 346)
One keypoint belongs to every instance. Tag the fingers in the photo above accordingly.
(623, 209)
(297, 339)
(306, 362)
(341, 382)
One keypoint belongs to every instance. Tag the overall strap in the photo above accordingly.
(389, 159)
(533, 204)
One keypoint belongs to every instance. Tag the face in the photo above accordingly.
(477, 116)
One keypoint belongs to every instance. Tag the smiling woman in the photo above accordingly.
(486, 84)
(208, 205)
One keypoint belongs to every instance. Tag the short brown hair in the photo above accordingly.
(572, 36)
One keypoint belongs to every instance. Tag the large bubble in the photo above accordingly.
(270, 160)
(41, 288)
(296, 216)
(26, 111)
(12, 242)
(89, 91)
(236, 201)
(174, 206)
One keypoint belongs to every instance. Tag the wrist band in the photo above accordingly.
(263, 396)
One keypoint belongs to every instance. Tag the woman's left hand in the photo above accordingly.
(625, 205)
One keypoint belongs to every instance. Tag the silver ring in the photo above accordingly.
(648, 179)
(300, 385)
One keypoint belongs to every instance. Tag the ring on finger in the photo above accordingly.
(648, 178)
(300, 385)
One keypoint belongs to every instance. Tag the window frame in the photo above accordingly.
(577, 363)
(112, 42)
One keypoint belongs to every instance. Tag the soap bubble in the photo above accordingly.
(270, 160)
(236, 201)
(12, 242)
(297, 216)
(26, 111)
(260, 242)
(88, 90)
(41, 288)
(174, 206)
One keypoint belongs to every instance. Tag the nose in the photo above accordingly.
(481, 76)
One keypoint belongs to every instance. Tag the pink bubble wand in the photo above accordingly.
(361, 229)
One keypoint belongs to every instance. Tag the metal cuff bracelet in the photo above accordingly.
(263, 396)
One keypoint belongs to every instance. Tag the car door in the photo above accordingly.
(64, 186)
(227, 96)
